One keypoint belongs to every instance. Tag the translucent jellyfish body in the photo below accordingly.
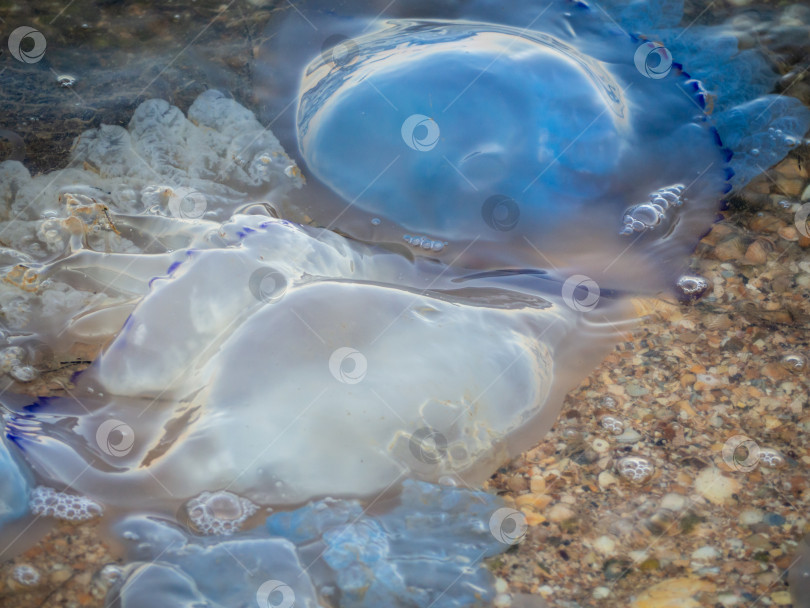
(563, 143)
(13, 487)
(434, 539)
(281, 367)
(514, 147)
(424, 548)
(257, 357)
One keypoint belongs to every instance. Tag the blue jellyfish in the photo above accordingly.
(555, 137)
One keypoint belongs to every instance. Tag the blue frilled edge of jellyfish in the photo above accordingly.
(548, 139)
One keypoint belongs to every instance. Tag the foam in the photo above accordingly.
(47, 502)
(220, 512)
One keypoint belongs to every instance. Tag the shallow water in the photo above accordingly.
(246, 357)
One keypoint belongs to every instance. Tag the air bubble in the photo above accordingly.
(24, 373)
(423, 242)
(11, 357)
(219, 512)
(66, 81)
(794, 362)
(771, 458)
(47, 502)
(375, 221)
(647, 216)
(692, 287)
(110, 574)
(635, 469)
(610, 402)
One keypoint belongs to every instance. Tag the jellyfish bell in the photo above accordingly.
(513, 147)
(546, 137)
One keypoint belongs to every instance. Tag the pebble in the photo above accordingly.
(606, 480)
(673, 593)
(762, 222)
(537, 485)
(715, 487)
(730, 248)
(749, 517)
(629, 436)
(605, 545)
(636, 390)
(559, 513)
(757, 252)
(789, 233)
(60, 574)
(600, 446)
(705, 553)
(729, 599)
(673, 502)
(600, 593)
(773, 519)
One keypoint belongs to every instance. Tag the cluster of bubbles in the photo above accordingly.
(423, 242)
(220, 513)
(646, 216)
(12, 362)
(26, 575)
(612, 425)
(47, 502)
(691, 287)
(21, 362)
(635, 469)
